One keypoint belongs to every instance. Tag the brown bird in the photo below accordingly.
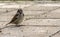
(18, 18)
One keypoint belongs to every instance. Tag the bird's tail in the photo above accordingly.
(7, 24)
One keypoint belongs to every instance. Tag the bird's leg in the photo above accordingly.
(0, 30)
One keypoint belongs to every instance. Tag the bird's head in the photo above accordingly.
(20, 11)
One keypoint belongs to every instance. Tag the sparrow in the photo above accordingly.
(18, 18)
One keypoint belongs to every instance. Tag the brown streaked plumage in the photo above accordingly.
(18, 18)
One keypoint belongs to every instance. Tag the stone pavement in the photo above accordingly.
(39, 21)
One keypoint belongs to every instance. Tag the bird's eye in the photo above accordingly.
(20, 12)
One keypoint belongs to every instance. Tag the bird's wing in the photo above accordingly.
(14, 18)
